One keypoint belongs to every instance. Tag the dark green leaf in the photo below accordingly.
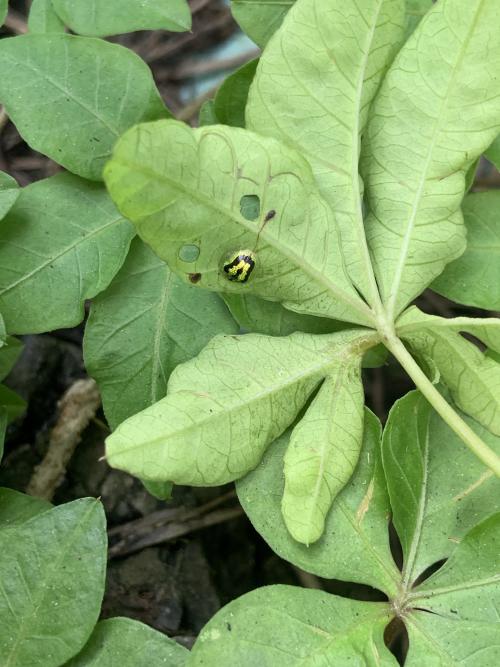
(9, 192)
(16, 508)
(231, 98)
(9, 353)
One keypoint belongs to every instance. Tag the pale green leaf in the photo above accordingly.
(437, 110)
(43, 18)
(323, 452)
(472, 377)
(52, 572)
(285, 626)
(122, 642)
(439, 490)
(474, 278)
(9, 192)
(355, 544)
(231, 99)
(61, 243)
(4, 6)
(445, 642)
(190, 187)
(259, 19)
(224, 407)
(467, 587)
(415, 11)
(313, 89)
(16, 508)
(98, 18)
(493, 152)
(72, 97)
(146, 323)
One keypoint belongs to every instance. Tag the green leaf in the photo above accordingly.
(472, 377)
(418, 147)
(493, 152)
(17, 508)
(61, 244)
(259, 19)
(231, 98)
(323, 452)
(72, 97)
(3, 429)
(99, 18)
(313, 89)
(187, 187)
(11, 402)
(207, 115)
(122, 641)
(474, 278)
(4, 6)
(9, 192)
(284, 626)
(439, 490)
(355, 544)
(52, 571)
(415, 11)
(224, 407)
(9, 354)
(146, 323)
(43, 18)
(160, 490)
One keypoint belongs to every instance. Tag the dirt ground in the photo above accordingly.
(172, 565)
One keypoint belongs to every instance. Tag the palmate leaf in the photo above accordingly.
(472, 377)
(187, 188)
(281, 626)
(227, 405)
(141, 327)
(98, 18)
(474, 278)
(313, 89)
(437, 110)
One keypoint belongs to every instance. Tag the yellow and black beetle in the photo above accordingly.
(240, 265)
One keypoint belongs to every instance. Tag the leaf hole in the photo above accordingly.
(396, 639)
(352, 590)
(395, 546)
(428, 572)
(250, 207)
(189, 253)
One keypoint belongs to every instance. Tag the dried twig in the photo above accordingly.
(76, 408)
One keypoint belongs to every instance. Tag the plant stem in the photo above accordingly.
(442, 407)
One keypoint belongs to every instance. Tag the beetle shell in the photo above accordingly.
(239, 266)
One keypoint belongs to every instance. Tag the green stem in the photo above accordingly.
(442, 407)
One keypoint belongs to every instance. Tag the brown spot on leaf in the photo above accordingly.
(194, 277)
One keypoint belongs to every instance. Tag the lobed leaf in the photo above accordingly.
(43, 18)
(187, 189)
(355, 543)
(100, 18)
(284, 626)
(52, 571)
(61, 244)
(122, 642)
(9, 192)
(72, 97)
(323, 452)
(472, 377)
(474, 278)
(313, 89)
(439, 490)
(437, 110)
(224, 407)
(141, 327)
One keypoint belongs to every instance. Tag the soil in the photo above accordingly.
(207, 553)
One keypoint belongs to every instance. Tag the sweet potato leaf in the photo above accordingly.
(184, 187)
(141, 327)
(9, 192)
(128, 643)
(52, 571)
(16, 508)
(438, 489)
(61, 243)
(231, 99)
(474, 278)
(285, 626)
(355, 544)
(227, 405)
(260, 18)
(43, 18)
(72, 97)
(437, 110)
(319, 104)
(323, 452)
(99, 18)
(415, 12)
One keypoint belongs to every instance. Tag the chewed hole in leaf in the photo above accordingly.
(353, 590)
(428, 572)
(189, 253)
(396, 639)
(250, 207)
(395, 544)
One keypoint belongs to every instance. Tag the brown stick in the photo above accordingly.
(76, 408)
